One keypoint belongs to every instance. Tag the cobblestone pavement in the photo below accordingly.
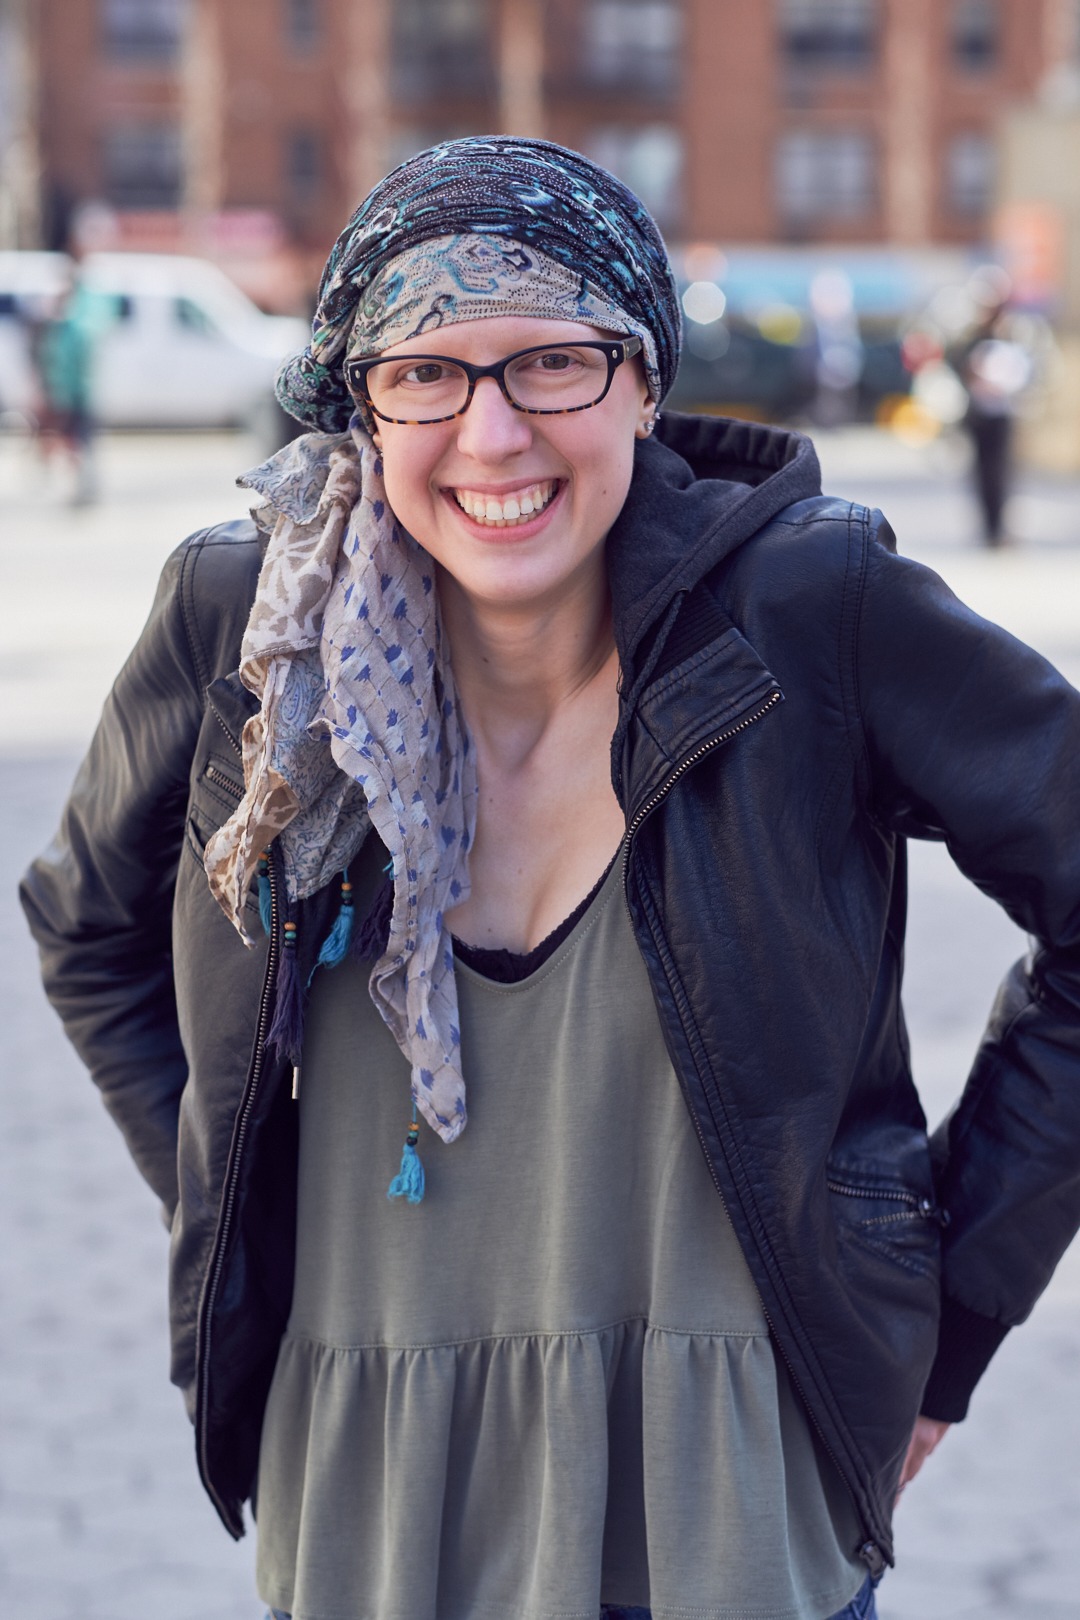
(101, 1514)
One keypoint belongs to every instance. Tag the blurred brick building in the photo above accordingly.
(737, 120)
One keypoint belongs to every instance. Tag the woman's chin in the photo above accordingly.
(517, 580)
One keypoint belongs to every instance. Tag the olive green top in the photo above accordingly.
(550, 1385)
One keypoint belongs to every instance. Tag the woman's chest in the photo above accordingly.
(543, 839)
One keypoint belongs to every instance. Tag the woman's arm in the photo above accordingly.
(974, 738)
(99, 900)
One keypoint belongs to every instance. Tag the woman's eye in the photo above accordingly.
(429, 372)
(555, 360)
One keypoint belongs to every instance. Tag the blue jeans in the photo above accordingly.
(861, 1607)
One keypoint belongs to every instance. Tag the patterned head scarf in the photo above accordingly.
(446, 279)
(529, 193)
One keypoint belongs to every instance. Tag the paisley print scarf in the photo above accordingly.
(358, 727)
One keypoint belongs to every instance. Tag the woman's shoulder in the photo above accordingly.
(211, 579)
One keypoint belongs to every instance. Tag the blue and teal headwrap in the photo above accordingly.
(548, 197)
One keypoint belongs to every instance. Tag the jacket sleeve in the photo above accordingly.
(99, 900)
(974, 738)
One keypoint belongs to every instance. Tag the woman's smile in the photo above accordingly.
(522, 508)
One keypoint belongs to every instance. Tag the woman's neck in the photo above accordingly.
(539, 691)
(516, 666)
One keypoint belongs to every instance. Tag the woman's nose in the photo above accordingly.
(491, 429)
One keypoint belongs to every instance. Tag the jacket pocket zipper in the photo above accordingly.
(219, 778)
(920, 1205)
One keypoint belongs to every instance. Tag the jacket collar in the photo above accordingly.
(233, 705)
(706, 485)
(689, 677)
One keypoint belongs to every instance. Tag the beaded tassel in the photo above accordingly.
(266, 902)
(336, 944)
(287, 1028)
(409, 1181)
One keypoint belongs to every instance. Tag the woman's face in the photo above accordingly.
(573, 469)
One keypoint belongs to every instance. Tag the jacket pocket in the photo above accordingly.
(215, 796)
(889, 1219)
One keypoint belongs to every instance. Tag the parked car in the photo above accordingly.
(781, 333)
(182, 347)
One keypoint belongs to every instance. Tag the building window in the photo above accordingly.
(142, 165)
(633, 44)
(649, 159)
(303, 166)
(144, 30)
(825, 175)
(970, 172)
(442, 47)
(303, 24)
(829, 35)
(975, 35)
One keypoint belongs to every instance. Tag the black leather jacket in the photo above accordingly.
(796, 701)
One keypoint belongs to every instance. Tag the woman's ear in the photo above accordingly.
(647, 421)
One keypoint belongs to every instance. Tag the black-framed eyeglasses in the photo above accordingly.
(548, 379)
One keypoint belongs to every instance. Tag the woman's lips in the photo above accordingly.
(514, 509)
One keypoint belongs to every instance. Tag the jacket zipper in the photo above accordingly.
(870, 1552)
(228, 1202)
(684, 765)
(235, 746)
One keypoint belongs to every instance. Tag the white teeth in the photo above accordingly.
(510, 510)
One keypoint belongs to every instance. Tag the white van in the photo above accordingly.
(184, 348)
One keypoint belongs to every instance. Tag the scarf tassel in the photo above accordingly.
(409, 1181)
(266, 904)
(287, 1028)
(335, 946)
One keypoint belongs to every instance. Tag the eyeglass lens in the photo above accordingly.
(421, 390)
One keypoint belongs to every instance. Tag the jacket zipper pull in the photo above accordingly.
(296, 1082)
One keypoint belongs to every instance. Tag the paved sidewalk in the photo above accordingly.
(101, 1514)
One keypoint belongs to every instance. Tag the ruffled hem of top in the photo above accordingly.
(535, 1476)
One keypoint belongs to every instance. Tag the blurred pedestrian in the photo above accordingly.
(996, 369)
(62, 350)
(550, 756)
(840, 353)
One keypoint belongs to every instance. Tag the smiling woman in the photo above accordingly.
(554, 764)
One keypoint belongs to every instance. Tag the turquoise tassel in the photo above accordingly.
(409, 1181)
(336, 944)
(266, 904)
